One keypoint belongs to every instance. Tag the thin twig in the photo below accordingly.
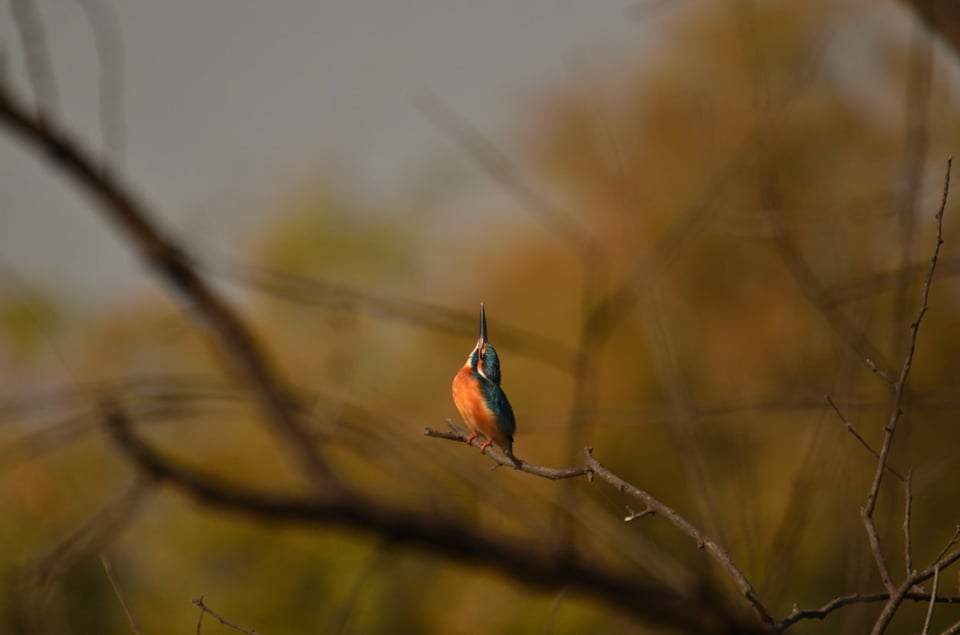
(879, 372)
(846, 423)
(953, 630)
(204, 609)
(702, 540)
(856, 598)
(908, 504)
(895, 412)
(948, 546)
(635, 515)
(551, 616)
(90, 536)
(901, 593)
(933, 600)
(108, 570)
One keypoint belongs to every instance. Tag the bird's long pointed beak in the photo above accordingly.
(483, 327)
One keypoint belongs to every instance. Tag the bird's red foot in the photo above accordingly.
(471, 438)
(484, 446)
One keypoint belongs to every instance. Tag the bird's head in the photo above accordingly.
(484, 358)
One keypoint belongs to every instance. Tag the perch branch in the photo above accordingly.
(592, 467)
(450, 537)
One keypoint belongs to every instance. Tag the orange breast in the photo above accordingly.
(474, 410)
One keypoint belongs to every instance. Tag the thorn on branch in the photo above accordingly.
(879, 372)
(634, 515)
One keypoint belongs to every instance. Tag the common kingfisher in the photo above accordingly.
(479, 398)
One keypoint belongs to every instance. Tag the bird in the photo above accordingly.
(480, 399)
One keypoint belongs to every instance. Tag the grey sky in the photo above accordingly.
(228, 103)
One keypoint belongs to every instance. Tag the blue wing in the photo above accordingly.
(501, 407)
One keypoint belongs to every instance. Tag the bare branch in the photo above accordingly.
(896, 594)
(108, 570)
(702, 540)
(448, 536)
(895, 412)
(31, 581)
(903, 591)
(857, 598)
(634, 515)
(459, 434)
(204, 609)
(948, 546)
(857, 435)
(171, 264)
(592, 467)
(873, 537)
(933, 600)
(908, 504)
(91, 536)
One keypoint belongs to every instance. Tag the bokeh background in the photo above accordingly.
(690, 222)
